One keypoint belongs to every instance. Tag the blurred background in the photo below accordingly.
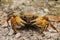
(34, 6)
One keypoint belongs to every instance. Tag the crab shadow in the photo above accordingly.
(30, 27)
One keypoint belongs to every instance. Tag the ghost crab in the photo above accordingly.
(30, 19)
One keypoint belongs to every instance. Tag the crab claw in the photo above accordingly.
(22, 21)
(37, 21)
(32, 21)
(19, 21)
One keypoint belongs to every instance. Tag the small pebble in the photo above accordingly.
(11, 32)
(17, 35)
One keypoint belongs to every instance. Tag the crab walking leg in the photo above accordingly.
(42, 29)
(8, 21)
(13, 24)
(14, 28)
(53, 27)
(46, 28)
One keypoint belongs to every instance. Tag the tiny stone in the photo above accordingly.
(17, 35)
(5, 31)
(11, 32)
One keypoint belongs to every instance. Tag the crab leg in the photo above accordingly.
(42, 29)
(8, 21)
(14, 28)
(53, 27)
